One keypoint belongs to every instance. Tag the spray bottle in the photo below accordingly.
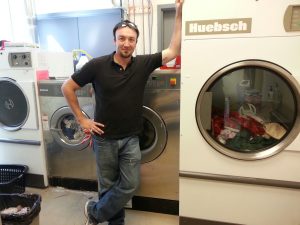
(82, 60)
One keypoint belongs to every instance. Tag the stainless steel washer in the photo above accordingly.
(160, 144)
(70, 159)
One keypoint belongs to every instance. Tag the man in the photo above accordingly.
(118, 80)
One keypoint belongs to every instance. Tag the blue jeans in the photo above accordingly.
(118, 171)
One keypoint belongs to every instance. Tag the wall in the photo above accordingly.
(157, 3)
(148, 43)
(6, 28)
(19, 26)
(90, 31)
(55, 6)
(17, 21)
(147, 22)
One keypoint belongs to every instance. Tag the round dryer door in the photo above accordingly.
(249, 110)
(66, 131)
(14, 106)
(154, 136)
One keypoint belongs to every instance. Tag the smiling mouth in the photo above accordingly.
(125, 53)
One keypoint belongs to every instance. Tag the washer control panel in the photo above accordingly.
(164, 80)
(20, 59)
(52, 88)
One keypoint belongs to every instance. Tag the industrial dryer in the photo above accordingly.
(240, 104)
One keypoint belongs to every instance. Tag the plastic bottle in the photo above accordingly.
(82, 60)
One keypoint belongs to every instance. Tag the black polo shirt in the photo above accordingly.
(118, 93)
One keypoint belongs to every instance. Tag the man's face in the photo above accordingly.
(126, 39)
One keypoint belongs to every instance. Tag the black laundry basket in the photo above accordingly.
(12, 178)
(33, 201)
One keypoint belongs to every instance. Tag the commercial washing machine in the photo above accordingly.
(240, 104)
(71, 163)
(70, 158)
(159, 143)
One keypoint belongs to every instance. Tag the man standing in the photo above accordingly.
(119, 81)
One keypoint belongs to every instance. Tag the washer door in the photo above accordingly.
(66, 131)
(154, 136)
(249, 110)
(14, 106)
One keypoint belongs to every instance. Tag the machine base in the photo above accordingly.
(192, 221)
(148, 204)
(34, 180)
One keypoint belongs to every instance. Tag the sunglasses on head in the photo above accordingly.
(126, 23)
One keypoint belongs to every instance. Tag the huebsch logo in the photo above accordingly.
(222, 26)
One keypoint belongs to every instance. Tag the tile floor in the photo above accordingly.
(61, 206)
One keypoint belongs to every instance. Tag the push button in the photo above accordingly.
(173, 82)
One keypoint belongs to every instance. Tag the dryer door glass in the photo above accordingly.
(14, 106)
(249, 110)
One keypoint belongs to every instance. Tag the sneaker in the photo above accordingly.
(89, 221)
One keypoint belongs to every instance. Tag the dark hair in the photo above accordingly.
(126, 23)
